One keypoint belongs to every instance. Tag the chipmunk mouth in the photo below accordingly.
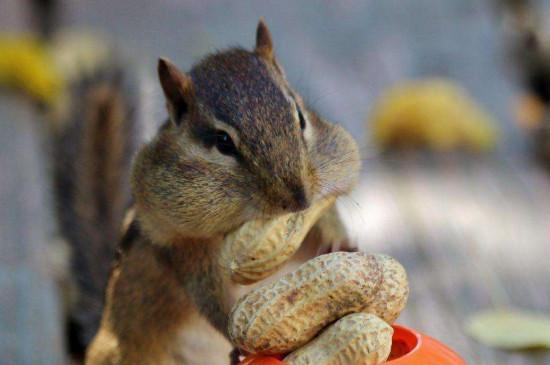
(268, 206)
(260, 208)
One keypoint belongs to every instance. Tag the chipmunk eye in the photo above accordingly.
(301, 117)
(225, 144)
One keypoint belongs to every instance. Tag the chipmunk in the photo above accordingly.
(239, 144)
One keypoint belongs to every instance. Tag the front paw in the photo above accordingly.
(345, 245)
(331, 235)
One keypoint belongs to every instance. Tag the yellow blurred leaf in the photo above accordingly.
(436, 114)
(510, 329)
(26, 65)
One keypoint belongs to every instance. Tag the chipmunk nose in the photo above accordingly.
(298, 200)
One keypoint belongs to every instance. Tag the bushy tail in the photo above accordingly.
(92, 150)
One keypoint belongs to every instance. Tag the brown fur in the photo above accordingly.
(149, 297)
(188, 195)
(92, 164)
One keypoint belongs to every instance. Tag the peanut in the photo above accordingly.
(260, 247)
(282, 316)
(392, 296)
(356, 339)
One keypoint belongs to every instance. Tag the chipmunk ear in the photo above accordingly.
(177, 88)
(264, 43)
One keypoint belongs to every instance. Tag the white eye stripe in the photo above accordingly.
(299, 115)
(224, 127)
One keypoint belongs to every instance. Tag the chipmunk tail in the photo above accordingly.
(93, 146)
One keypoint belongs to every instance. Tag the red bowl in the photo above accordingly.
(409, 347)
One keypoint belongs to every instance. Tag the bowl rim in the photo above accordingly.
(419, 339)
(417, 355)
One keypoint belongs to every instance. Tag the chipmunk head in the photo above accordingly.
(240, 144)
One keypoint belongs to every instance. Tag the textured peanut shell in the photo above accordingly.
(260, 247)
(282, 316)
(356, 339)
(392, 297)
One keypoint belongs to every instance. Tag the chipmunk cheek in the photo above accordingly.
(313, 182)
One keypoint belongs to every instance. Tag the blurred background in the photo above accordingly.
(447, 99)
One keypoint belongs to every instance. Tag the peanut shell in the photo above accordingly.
(356, 339)
(286, 314)
(260, 247)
